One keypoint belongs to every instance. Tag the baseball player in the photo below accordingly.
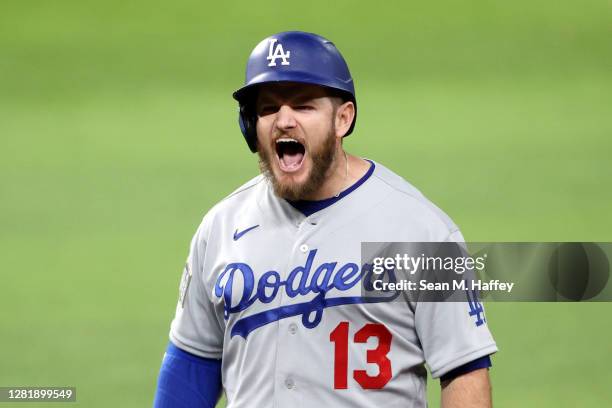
(270, 310)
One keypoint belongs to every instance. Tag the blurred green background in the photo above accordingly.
(118, 132)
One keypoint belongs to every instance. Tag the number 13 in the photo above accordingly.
(378, 356)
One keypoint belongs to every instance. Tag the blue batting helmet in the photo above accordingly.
(292, 56)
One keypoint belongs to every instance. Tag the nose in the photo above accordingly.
(285, 118)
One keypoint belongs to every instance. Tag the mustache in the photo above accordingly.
(290, 135)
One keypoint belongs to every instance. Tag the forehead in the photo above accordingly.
(290, 91)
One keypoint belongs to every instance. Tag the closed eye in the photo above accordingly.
(271, 108)
(304, 108)
(267, 110)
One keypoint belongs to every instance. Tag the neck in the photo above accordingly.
(344, 172)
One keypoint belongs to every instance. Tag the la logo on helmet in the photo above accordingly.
(277, 52)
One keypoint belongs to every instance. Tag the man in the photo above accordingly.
(270, 301)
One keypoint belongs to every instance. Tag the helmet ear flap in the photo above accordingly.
(248, 126)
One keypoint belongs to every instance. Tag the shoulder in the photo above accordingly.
(237, 204)
(244, 190)
(405, 199)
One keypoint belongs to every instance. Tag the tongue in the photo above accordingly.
(291, 161)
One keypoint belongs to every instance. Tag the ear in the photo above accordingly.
(345, 114)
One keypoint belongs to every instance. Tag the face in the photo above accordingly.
(297, 137)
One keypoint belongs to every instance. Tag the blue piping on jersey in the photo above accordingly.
(482, 362)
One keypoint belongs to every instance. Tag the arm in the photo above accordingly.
(472, 389)
(450, 333)
(190, 375)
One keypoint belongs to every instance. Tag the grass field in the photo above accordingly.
(117, 132)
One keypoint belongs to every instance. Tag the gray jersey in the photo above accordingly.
(255, 268)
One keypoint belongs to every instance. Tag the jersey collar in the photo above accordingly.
(309, 207)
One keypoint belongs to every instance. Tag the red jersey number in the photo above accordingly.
(339, 336)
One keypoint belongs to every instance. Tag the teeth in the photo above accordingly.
(286, 140)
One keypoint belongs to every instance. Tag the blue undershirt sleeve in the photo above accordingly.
(186, 380)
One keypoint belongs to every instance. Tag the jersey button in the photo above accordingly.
(293, 328)
(289, 383)
(304, 248)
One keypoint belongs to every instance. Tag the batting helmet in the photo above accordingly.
(292, 56)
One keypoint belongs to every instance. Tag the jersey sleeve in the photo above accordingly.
(195, 327)
(453, 333)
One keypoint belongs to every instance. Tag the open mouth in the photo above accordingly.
(290, 154)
